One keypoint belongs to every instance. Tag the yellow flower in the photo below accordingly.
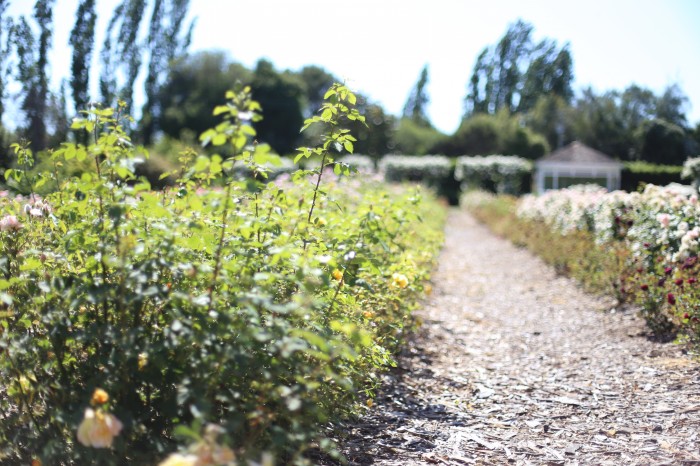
(400, 280)
(368, 314)
(36, 462)
(99, 397)
(98, 429)
(143, 360)
(337, 274)
(321, 222)
(178, 459)
(428, 289)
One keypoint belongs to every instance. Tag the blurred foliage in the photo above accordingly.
(485, 134)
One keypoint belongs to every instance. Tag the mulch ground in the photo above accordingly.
(516, 365)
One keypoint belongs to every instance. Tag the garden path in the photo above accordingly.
(516, 365)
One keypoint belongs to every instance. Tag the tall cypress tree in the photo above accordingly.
(32, 73)
(122, 53)
(82, 39)
(165, 43)
(5, 51)
(415, 108)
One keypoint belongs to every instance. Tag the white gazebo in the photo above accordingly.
(576, 164)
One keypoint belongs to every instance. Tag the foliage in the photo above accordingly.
(503, 174)
(493, 134)
(194, 86)
(434, 171)
(82, 40)
(637, 174)
(634, 124)
(132, 317)
(165, 44)
(413, 139)
(415, 108)
(514, 73)
(282, 97)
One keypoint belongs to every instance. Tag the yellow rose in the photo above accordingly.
(400, 280)
(337, 274)
(100, 397)
(98, 429)
(178, 459)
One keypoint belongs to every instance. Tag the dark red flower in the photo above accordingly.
(630, 223)
(661, 282)
(640, 270)
(692, 280)
(647, 245)
(686, 316)
(679, 282)
(668, 270)
(645, 287)
(671, 299)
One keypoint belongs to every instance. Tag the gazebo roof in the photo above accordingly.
(578, 153)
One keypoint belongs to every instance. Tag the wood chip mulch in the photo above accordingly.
(516, 365)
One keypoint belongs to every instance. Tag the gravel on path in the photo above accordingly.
(516, 365)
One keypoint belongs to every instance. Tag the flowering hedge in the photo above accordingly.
(504, 174)
(234, 318)
(656, 232)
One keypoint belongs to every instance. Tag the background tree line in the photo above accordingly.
(519, 96)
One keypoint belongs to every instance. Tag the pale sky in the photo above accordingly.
(380, 46)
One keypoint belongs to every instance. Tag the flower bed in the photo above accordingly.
(643, 245)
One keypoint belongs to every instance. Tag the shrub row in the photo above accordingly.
(230, 320)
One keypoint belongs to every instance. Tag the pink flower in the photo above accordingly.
(98, 429)
(10, 223)
(664, 219)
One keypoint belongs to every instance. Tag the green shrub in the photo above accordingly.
(503, 174)
(434, 171)
(636, 174)
(262, 308)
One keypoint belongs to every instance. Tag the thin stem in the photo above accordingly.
(220, 246)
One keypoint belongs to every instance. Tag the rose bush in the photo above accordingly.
(214, 301)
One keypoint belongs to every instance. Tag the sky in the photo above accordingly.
(380, 46)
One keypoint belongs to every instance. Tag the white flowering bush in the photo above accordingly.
(503, 174)
(431, 169)
(691, 171)
(660, 227)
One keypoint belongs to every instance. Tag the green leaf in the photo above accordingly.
(219, 140)
(348, 146)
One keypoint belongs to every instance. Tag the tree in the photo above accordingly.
(672, 105)
(514, 73)
(412, 139)
(165, 44)
(551, 117)
(194, 85)
(662, 142)
(316, 82)
(5, 53)
(415, 108)
(280, 96)
(122, 54)
(32, 62)
(549, 73)
(82, 39)
(485, 134)
(375, 137)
